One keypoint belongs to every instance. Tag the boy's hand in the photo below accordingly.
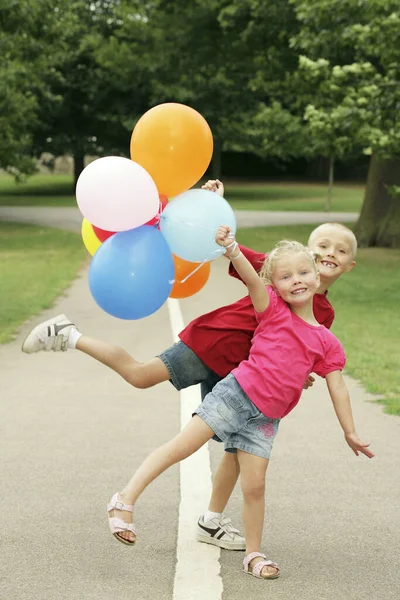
(214, 185)
(309, 382)
(224, 236)
(357, 445)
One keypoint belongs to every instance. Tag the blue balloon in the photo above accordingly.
(190, 221)
(131, 274)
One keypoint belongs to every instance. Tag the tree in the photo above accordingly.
(214, 64)
(26, 32)
(335, 110)
(92, 107)
(366, 33)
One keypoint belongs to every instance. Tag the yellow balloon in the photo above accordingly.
(90, 239)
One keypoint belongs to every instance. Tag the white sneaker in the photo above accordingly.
(220, 532)
(49, 335)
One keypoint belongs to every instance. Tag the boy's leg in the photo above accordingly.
(253, 470)
(140, 375)
(214, 527)
(224, 482)
(178, 363)
(228, 471)
(191, 438)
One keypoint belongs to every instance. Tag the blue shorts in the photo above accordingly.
(185, 368)
(236, 420)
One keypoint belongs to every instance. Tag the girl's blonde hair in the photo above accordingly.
(282, 249)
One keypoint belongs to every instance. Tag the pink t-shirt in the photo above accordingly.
(284, 351)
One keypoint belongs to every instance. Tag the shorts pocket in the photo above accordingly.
(229, 406)
(235, 402)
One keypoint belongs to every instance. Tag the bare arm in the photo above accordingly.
(257, 290)
(341, 403)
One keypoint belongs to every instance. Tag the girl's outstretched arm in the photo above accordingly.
(341, 403)
(257, 290)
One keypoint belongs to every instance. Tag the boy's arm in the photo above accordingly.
(256, 259)
(341, 403)
(257, 290)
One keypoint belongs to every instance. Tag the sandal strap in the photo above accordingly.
(115, 503)
(258, 567)
(118, 525)
(249, 557)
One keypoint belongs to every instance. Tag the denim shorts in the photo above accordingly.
(236, 420)
(185, 368)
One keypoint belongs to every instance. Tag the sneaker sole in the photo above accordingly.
(205, 539)
(25, 343)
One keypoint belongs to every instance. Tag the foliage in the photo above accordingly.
(355, 50)
(26, 27)
(89, 116)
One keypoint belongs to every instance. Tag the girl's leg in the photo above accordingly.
(191, 438)
(253, 470)
(140, 375)
(224, 481)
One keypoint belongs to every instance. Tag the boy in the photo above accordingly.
(209, 348)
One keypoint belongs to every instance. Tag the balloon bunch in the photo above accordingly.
(144, 247)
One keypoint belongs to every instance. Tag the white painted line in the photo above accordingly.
(197, 575)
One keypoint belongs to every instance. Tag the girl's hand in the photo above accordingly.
(224, 236)
(214, 185)
(357, 445)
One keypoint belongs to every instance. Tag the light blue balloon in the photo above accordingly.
(190, 221)
(131, 274)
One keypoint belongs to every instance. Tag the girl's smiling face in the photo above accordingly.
(295, 278)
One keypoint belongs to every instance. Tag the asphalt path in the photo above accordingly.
(72, 432)
(70, 218)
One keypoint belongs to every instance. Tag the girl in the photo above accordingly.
(245, 408)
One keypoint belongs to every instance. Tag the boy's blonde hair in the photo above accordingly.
(282, 249)
(348, 232)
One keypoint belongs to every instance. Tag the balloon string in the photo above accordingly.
(195, 270)
(210, 257)
(188, 223)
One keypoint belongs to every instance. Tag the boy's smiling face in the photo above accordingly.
(337, 248)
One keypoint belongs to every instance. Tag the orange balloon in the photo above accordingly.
(174, 143)
(193, 283)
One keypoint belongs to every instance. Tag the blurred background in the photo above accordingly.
(293, 90)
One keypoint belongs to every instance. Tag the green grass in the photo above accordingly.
(37, 185)
(39, 190)
(37, 264)
(366, 303)
(57, 190)
(293, 197)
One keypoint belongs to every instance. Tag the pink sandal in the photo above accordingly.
(118, 525)
(258, 567)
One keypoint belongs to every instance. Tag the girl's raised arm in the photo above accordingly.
(257, 290)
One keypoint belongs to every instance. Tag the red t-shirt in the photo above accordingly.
(222, 337)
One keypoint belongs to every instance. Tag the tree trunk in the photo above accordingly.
(379, 221)
(78, 164)
(328, 202)
(216, 160)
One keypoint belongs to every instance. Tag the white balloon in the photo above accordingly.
(116, 194)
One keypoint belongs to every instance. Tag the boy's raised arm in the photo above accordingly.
(257, 290)
(341, 403)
